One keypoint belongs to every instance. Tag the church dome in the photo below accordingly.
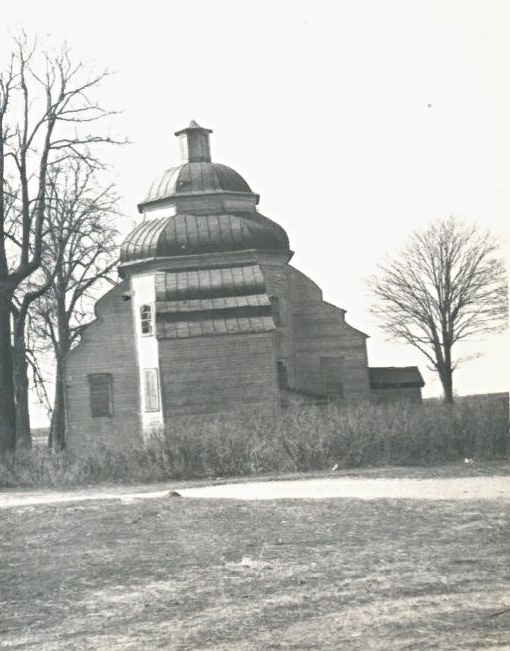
(225, 220)
(197, 174)
(185, 234)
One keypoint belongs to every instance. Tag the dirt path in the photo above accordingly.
(457, 488)
(466, 488)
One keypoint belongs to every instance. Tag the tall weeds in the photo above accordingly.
(301, 438)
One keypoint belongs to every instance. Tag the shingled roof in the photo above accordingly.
(200, 302)
(385, 377)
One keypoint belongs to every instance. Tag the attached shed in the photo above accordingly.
(391, 383)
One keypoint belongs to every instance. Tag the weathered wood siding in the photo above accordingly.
(213, 374)
(275, 270)
(217, 374)
(107, 346)
(400, 394)
(319, 330)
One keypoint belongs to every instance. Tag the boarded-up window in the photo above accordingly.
(151, 389)
(281, 367)
(146, 319)
(276, 310)
(101, 399)
(332, 370)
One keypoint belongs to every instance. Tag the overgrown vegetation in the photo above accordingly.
(303, 438)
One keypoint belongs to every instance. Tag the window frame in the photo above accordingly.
(337, 391)
(146, 321)
(95, 411)
(282, 374)
(147, 405)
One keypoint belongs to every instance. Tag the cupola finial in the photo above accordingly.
(195, 147)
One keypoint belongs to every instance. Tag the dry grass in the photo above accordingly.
(302, 438)
(224, 575)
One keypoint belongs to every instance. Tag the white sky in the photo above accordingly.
(356, 121)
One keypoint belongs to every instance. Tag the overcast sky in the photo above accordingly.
(357, 122)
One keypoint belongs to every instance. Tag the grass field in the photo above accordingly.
(179, 573)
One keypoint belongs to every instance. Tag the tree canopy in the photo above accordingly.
(49, 114)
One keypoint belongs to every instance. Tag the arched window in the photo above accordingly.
(146, 326)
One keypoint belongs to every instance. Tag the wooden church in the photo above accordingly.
(211, 317)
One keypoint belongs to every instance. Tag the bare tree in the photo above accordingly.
(47, 107)
(20, 313)
(82, 238)
(448, 284)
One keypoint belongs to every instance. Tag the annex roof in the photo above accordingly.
(395, 376)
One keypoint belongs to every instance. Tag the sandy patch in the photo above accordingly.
(459, 488)
(468, 488)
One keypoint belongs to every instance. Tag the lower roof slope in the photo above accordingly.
(218, 301)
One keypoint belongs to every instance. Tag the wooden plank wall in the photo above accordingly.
(212, 374)
(319, 330)
(402, 394)
(107, 346)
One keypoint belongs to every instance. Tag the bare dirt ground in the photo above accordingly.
(391, 568)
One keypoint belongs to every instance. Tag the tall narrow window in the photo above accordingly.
(151, 389)
(332, 370)
(281, 369)
(146, 319)
(276, 310)
(101, 399)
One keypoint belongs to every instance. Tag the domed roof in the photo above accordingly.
(196, 174)
(198, 226)
(196, 178)
(185, 234)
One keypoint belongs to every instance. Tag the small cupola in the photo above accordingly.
(200, 208)
(183, 188)
(195, 146)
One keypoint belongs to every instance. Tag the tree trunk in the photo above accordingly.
(7, 405)
(58, 418)
(445, 374)
(23, 432)
(57, 438)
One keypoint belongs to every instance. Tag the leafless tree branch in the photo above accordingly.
(448, 284)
